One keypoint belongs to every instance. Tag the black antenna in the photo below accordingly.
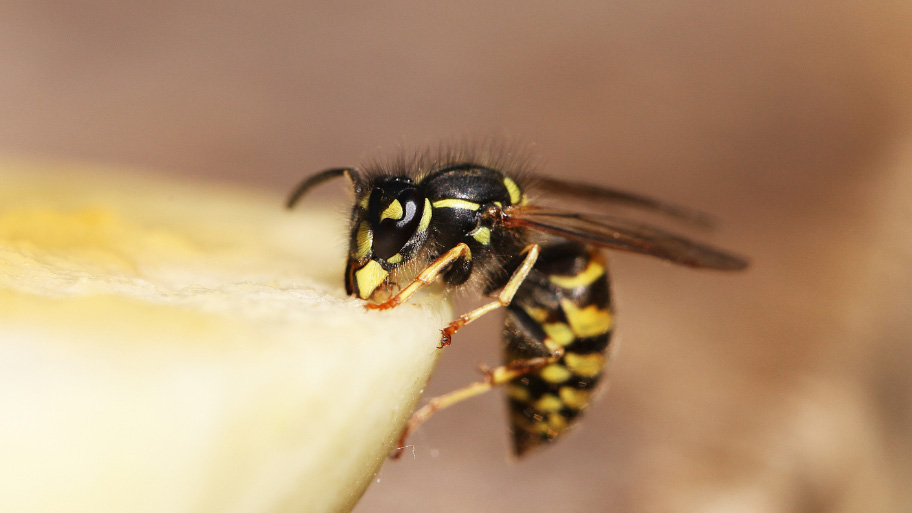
(311, 182)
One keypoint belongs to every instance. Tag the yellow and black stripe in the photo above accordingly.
(565, 303)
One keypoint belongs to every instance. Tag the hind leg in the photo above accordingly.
(492, 378)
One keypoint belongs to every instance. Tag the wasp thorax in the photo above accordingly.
(396, 212)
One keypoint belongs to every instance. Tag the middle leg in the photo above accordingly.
(503, 299)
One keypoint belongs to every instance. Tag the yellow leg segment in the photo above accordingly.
(503, 299)
(493, 377)
(425, 277)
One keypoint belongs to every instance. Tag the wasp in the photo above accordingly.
(480, 223)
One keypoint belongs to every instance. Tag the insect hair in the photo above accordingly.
(510, 158)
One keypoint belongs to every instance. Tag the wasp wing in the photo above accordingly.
(605, 195)
(615, 233)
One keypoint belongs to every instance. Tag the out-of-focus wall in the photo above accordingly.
(785, 388)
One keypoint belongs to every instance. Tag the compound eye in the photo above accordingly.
(394, 222)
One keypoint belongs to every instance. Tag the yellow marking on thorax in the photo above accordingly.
(395, 259)
(555, 373)
(365, 201)
(456, 203)
(592, 272)
(364, 240)
(585, 365)
(425, 216)
(573, 398)
(559, 332)
(586, 322)
(513, 189)
(393, 211)
(369, 278)
(482, 234)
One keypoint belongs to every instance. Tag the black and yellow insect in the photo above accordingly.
(472, 222)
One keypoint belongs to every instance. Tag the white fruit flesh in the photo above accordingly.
(184, 348)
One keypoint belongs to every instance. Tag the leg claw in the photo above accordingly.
(386, 305)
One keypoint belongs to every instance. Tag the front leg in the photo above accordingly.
(425, 277)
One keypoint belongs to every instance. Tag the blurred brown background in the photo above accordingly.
(784, 389)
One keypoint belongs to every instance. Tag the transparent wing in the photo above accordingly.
(605, 195)
(615, 233)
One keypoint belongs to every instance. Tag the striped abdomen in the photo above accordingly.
(564, 302)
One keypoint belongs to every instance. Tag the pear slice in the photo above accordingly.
(175, 347)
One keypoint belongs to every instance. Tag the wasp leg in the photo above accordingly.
(425, 277)
(503, 299)
(493, 377)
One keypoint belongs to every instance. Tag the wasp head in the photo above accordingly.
(389, 226)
